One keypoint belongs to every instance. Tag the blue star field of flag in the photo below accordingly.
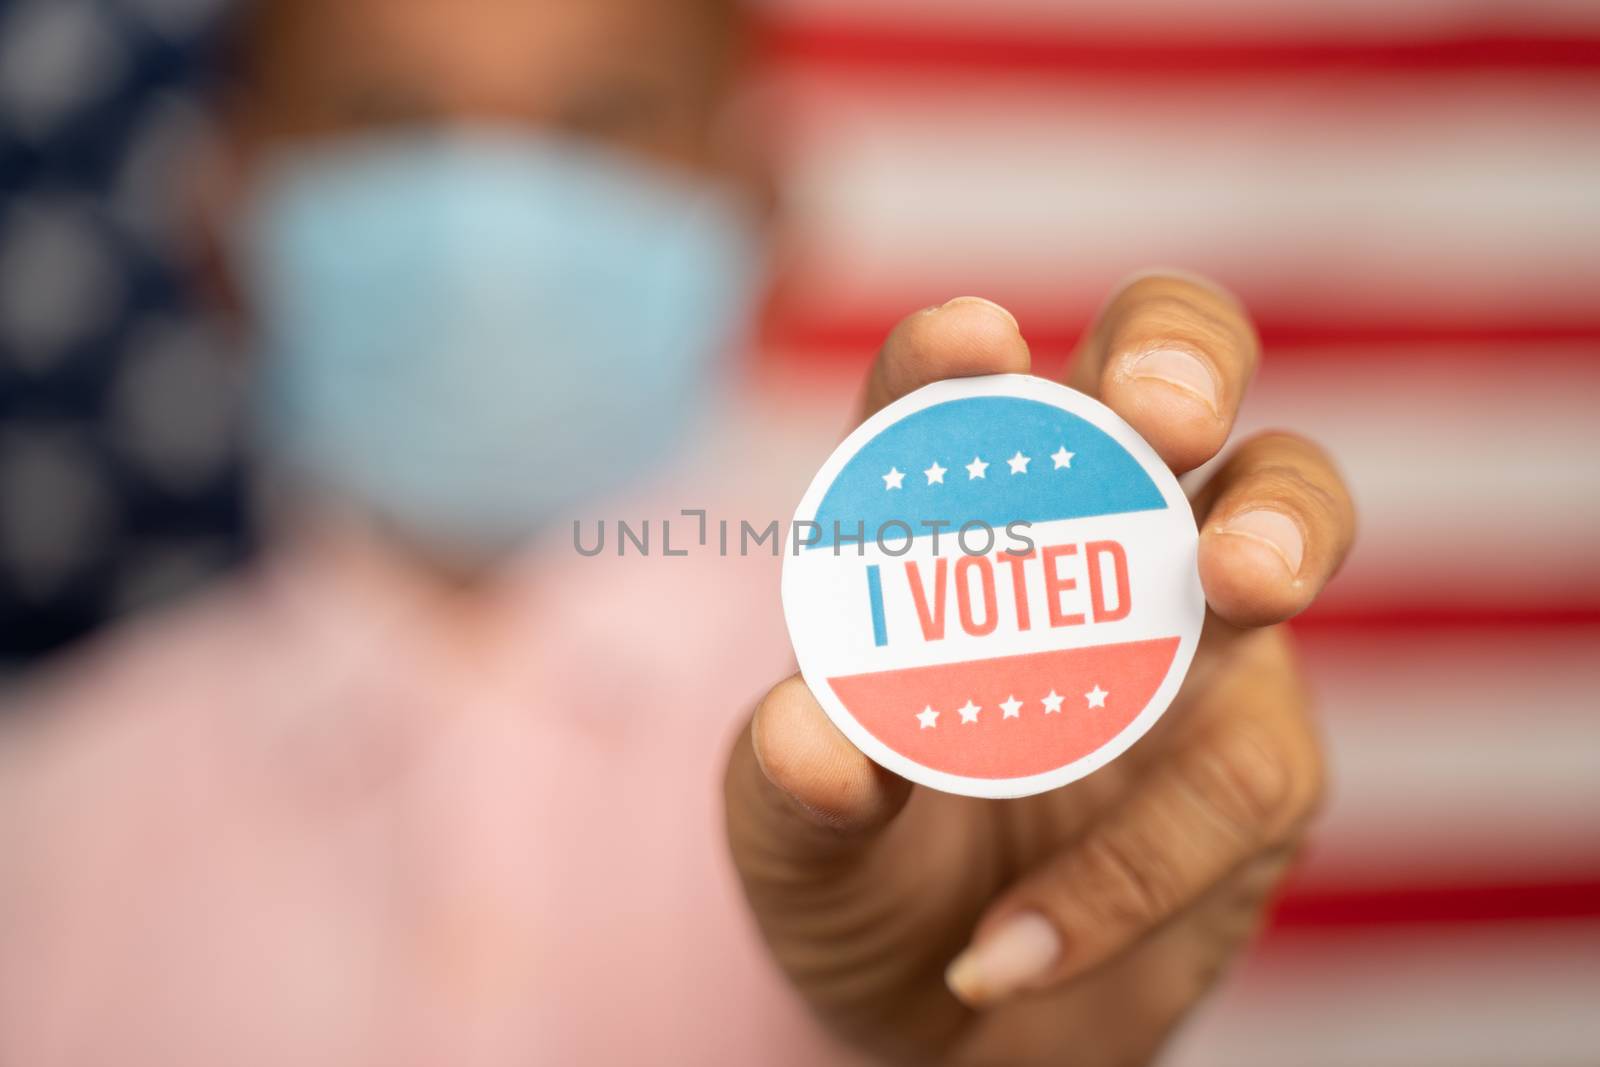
(120, 473)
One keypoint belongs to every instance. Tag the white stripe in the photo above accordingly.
(1521, 995)
(1474, 477)
(1456, 196)
(1465, 757)
(828, 592)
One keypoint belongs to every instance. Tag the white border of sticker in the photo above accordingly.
(1102, 417)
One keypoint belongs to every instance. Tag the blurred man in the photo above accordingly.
(416, 794)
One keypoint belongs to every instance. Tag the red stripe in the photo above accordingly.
(1453, 617)
(1418, 905)
(840, 339)
(904, 47)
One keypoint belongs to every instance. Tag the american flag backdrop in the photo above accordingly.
(1407, 195)
(121, 482)
(1405, 192)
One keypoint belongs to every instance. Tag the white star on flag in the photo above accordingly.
(1063, 458)
(935, 473)
(977, 469)
(969, 712)
(1011, 708)
(928, 718)
(893, 479)
(1019, 463)
(1052, 703)
(1096, 696)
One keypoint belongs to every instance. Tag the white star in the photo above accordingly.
(976, 469)
(1019, 463)
(969, 712)
(1063, 458)
(935, 473)
(1052, 703)
(1096, 696)
(928, 718)
(1011, 707)
(893, 479)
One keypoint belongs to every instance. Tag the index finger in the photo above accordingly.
(960, 338)
(1172, 355)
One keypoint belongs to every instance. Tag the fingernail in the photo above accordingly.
(1017, 954)
(979, 301)
(1177, 368)
(1271, 528)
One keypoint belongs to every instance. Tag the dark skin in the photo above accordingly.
(649, 78)
(1138, 884)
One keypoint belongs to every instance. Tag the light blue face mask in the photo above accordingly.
(468, 334)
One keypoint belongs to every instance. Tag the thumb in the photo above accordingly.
(799, 794)
(801, 799)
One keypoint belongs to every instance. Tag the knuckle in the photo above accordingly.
(1297, 475)
(1124, 882)
(1281, 440)
(1288, 483)
(1176, 319)
(1247, 779)
(1197, 288)
(1301, 462)
(1186, 309)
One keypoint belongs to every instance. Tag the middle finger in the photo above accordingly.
(1173, 356)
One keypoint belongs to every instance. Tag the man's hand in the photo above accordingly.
(1083, 923)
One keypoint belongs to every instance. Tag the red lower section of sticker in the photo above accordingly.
(1013, 716)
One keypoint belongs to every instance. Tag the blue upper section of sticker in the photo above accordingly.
(990, 459)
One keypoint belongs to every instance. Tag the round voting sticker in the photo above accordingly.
(992, 586)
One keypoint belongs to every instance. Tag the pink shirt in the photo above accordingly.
(332, 815)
